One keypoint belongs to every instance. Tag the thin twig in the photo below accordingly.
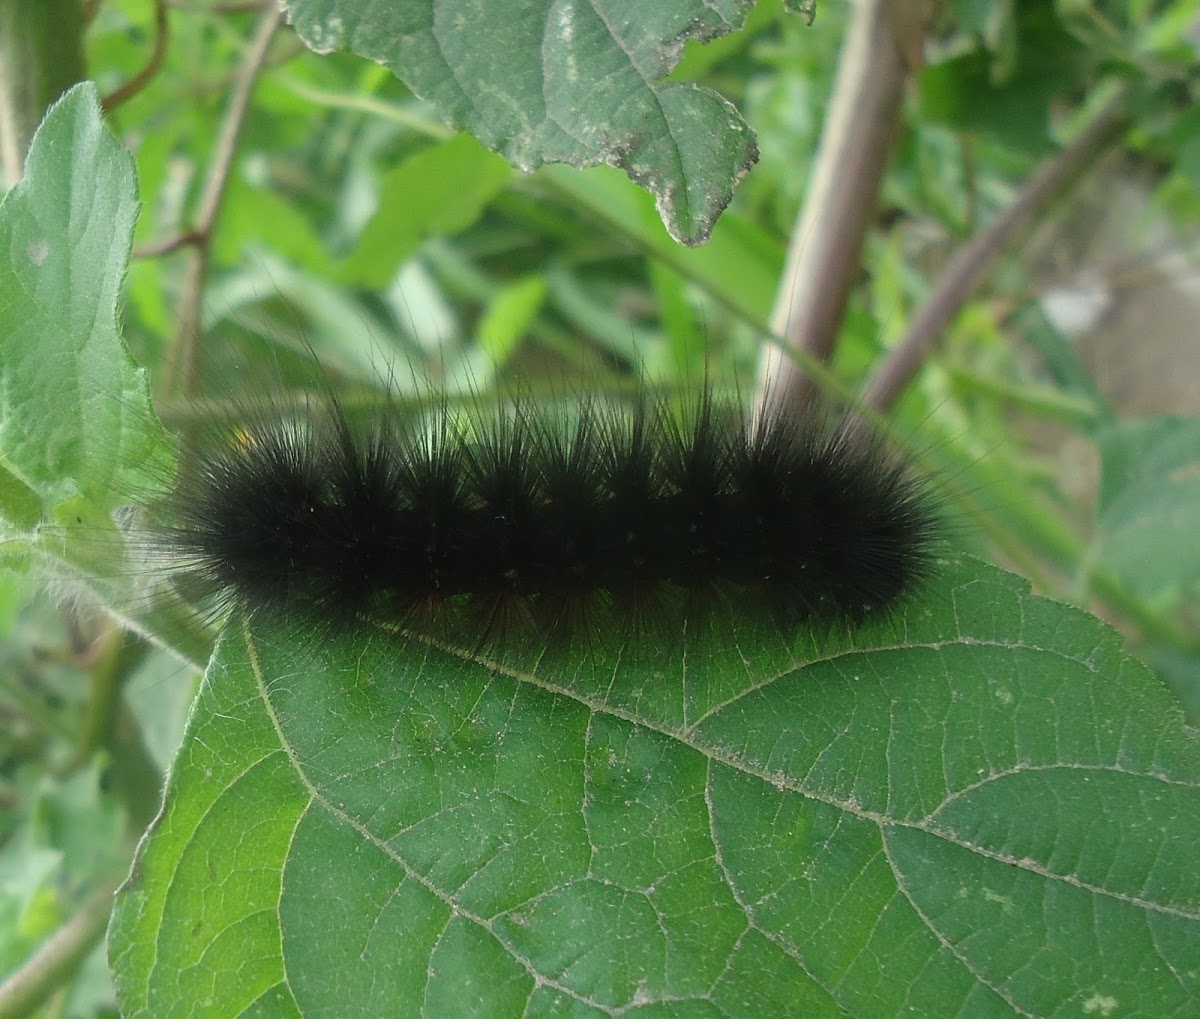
(156, 249)
(824, 254)
(226, 8)
(971, 263)
(134, 85)
(48, 968)
(179, 369)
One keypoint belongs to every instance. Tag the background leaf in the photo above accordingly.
(441, 190)
(1150, 503)
(896, 822)
(565, 82)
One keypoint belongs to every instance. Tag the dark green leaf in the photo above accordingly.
(1007, 95)
(571, 83)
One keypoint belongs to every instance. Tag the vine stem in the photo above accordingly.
(158, 56)
(824, 253)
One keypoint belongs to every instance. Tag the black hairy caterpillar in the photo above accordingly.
(518, 524)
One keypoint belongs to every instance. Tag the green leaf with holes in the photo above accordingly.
(565, 82)
(979, 808)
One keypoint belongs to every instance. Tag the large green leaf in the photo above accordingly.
(562, 81)
(980, 808)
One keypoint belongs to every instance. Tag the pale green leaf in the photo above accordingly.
(441, 190)
(75, 416)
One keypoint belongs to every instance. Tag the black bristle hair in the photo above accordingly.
(514, 524)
